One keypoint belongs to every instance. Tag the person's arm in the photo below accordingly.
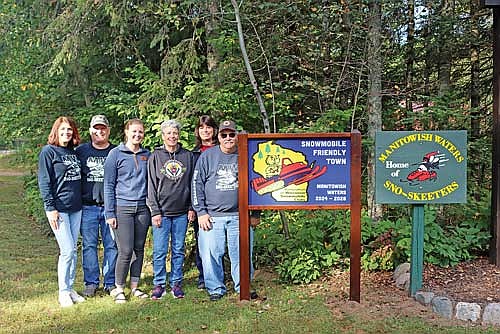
(153, 183)
(46, 178)
(198, 198)
(152, 200)
(110, 175)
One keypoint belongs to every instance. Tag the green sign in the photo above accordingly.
(419, 167)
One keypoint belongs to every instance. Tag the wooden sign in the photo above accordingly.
(300, 171)
(420, 167)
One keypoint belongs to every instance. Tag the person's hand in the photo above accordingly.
(191, 216)
(53, 217)
(112, 222)
(156, 220)
(205, 222)
(254, 221)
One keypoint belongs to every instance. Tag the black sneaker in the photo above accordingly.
(253, 295)
(90, 290)
(215, 297)
(201, 285)
(108, 289)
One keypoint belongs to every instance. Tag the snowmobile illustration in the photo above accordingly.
(425, 170)
(291, 173)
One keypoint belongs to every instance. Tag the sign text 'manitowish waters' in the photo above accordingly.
(421, 167)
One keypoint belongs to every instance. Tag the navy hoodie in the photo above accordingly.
(59, 179)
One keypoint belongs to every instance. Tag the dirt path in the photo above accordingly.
(5, 170)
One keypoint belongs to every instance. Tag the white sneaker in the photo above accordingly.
(75, 297)
(65, 299)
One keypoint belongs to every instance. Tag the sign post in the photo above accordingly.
(417, 248)
(300, 171)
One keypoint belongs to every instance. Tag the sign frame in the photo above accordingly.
(355, 204)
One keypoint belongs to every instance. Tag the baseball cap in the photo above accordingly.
(99, 119)
(227, 125)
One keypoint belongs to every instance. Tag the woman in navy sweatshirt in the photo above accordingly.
(59, 181)
(125, 192)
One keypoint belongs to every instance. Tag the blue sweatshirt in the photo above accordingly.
(125, 179)
(92, 160)
(59, 179)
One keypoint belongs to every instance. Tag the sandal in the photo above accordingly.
(120, 298)
(139, 294)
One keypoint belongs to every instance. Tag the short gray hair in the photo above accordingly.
(171, 123)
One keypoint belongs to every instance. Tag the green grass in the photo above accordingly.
(28, 297)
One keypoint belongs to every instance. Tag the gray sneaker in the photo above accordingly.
(90, 290)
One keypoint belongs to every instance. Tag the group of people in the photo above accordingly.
(118, 192)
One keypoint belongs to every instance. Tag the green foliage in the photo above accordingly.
(388, 243)
(33, 202)
(151, 60)
(312, 248)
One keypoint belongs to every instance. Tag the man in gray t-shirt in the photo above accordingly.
(214, 194)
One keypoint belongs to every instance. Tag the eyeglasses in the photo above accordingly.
(230, 134)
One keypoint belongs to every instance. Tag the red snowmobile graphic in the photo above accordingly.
(425, 171)
(291, 173)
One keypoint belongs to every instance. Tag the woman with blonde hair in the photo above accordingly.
(125, 192)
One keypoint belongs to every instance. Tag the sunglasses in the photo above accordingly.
(230, 134)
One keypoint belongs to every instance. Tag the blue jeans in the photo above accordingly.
(175, 228)
(67, 239)
(212, 246)
(93, 221)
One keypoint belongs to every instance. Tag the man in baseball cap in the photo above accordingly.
(214, 196)
(227, 125)
(92, 155)
(99, 119)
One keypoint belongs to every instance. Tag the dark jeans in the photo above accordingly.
(133, 224)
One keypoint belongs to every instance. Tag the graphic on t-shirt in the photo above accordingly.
(227, 177)
(96, 169)
(72, 164)
(285, 173)
(173, 169)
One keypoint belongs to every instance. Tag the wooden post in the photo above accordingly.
(244, 217)
(417, 248)
(355, 241)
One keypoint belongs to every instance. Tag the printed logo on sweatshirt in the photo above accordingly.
(72, 164)
(227, 177)
(173, 169)
(96, 169)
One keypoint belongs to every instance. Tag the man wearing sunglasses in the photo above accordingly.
(214, 194)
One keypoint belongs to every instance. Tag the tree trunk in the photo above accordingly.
(262, 108)
(474, 91)
(445, 46)
(374, 107)
(212, 55)
(475, 68)
(410, 56)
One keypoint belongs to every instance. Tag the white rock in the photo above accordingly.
(468, 311)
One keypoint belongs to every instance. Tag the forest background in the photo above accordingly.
(273, 66)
